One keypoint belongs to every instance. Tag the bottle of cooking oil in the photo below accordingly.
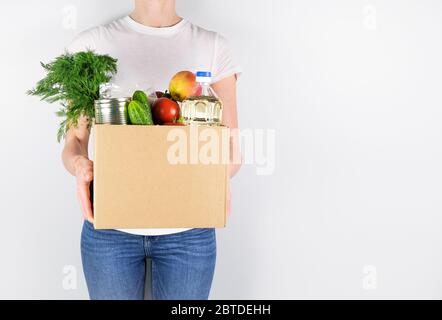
(205, 109)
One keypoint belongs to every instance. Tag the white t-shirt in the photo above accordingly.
(148, 57)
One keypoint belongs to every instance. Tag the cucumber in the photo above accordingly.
(139, 114)
(140, 96)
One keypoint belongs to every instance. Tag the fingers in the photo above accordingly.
(87, 171)
(85, 201)
(84, 169)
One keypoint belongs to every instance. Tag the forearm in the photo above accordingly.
(226, 90)
(235, 154)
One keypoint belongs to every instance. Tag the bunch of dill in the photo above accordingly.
(74, 80)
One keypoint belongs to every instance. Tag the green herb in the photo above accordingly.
(74, 80)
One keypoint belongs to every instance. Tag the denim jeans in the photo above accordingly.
(114, 264)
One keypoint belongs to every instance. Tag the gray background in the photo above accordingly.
(352, 88)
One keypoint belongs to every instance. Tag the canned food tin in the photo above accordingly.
(111, 111)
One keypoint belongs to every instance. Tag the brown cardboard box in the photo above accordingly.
(160, 176)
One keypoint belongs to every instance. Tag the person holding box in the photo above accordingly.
(151, 44)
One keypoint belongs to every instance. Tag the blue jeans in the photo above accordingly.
(114, 264)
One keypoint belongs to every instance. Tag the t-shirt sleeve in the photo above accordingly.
(225, 62)
(82, 42)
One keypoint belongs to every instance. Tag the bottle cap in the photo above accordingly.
(203, 76)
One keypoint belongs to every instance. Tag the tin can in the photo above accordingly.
(112, 111)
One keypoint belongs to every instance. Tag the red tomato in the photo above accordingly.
(165, 111)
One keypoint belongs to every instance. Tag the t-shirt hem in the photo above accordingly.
(153, 232)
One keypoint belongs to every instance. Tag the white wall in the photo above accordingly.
(352, 88)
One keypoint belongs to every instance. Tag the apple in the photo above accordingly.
(183, 85)
(165, 110)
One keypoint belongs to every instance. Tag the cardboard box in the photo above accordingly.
(160, 176)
